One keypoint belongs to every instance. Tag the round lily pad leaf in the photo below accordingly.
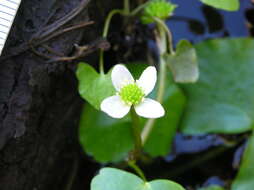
(104, 138)
(229, 5)
(115, 179)
(222, 100)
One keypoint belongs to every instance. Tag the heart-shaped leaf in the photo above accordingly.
(245, 176)
(94, 87)
(104, 138)
(229, 5)
(222, 100)
(183, 63)
(115, 179)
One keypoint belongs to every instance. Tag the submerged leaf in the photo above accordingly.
(183, 63)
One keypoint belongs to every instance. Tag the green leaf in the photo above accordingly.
(115, 179)
(99, 132)
(94, 87)
(222, 100)
(183, 63)
(245, 176)
(104, 138)
(162, 135)
(212, 187)
(229, 5)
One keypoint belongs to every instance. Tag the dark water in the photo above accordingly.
(196, 22)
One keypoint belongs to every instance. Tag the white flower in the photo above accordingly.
(132, 93)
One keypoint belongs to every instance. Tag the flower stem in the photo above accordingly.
(126, 7)
(105, 33)
(161, 40)
(161, 24)
(101, 62)
(138, 9)
(134, 166)
(147, 130)
(150, 122)
(136, 133)
(162, 80)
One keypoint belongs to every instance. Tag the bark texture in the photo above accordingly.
(39, 102)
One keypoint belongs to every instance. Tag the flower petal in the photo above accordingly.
(120, 76)
(114, 107)
(150, 109)
(148, 79)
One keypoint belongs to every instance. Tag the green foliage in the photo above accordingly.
(99, 133)
(245, 176)
(183, 63)
(163, 132)
(104, 138)
(161, 9)
(229, 5)
(212, 187)
(94, 87)
(115, 179)
(222, 100)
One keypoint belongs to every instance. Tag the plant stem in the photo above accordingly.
(101, 62)
(108, 20)
(138, 9)
(136, 132)
(163, 26)
(126, 7)
(134, 166)
(104, 35)
(73, 173)
(161, 39)
(146, 130)
(162, 80)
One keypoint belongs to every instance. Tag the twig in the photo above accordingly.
(58, 33)
(52, 51)
(46, 31)
(56, 25)
(82, 51)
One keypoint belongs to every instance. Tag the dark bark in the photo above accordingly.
(39, 102)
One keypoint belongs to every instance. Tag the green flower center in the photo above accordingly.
(131, 94)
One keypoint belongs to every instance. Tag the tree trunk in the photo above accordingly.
(39, 102)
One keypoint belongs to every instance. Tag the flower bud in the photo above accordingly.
(161, 9)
